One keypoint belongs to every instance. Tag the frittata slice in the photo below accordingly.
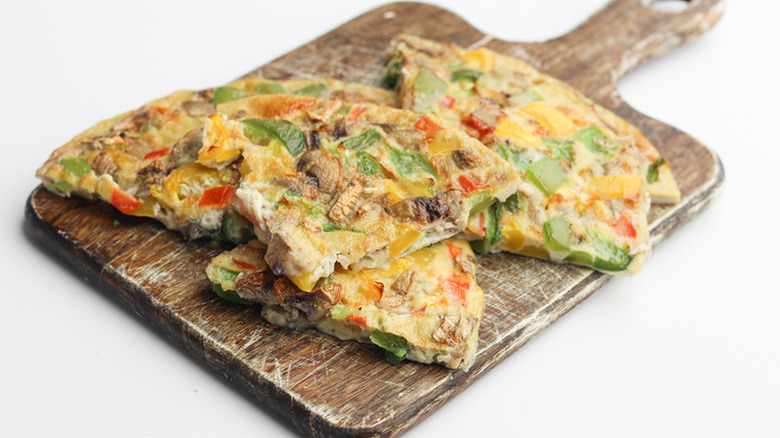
(451, 82)
(147, 162)
(425, 307)
(586, 172)
(356, 185)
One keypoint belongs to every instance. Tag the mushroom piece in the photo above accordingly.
(153, 174)
(196, 108)
(265, 288)
(104, 163)
(453, 330)
(185, 151)
(420, 209)
(303, 185)
(324, 168)
(346, 201)
(398, 290)
(100, 142)
(488, 112)
(465, 159)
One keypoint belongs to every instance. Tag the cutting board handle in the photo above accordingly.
(624, 35)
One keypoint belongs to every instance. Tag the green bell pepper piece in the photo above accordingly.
(522, 99)
(609, 256)
(396, 347)
(367, 165)
(312, 90)
(493, 223)
(339, 312)
(392, 72)
(478, 202)
(269, 88)
(557, 234)
(405, 161)
(547, 174)
(362, 141)
(561, 149)
(514, 203)
(260, 130)
(480, 246)
(427, 81)
(513, 156)
(591, 137)
(236, 229)
(63, 186)
(652, 171)
(77, 166)
(221, 277)
(580, 258)
(226, 94)
(465, 74)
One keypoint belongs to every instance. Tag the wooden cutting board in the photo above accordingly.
(325, 387)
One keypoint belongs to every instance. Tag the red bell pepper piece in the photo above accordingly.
(359, 320)
(481, 127)
(427, 127)
(244, 265)
(624, 226)
(216, 197)
(469, 184)
(455, 250)
(123, 202)
(355, 112)
(157, 154)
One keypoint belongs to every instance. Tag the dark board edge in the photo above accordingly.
(158, 318)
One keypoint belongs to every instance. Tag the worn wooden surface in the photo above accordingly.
(325, 387)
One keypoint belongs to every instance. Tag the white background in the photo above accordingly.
(691, 347)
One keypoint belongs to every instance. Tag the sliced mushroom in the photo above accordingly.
(257, 286)
(324, 168)
(185, 151)
(102, 141)
(137, 121)
(313, 140)
(198, 108)
(465, 159)
(488, 112)
(195, 230)
(453, 330)
(153, 174)
(313, 303)
(420, 209)
(466, 263)
(398, 291)
(346, 201)
(104, 163)
(339, 129)
(303, 185)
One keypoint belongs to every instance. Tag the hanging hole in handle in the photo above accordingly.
(670, 6)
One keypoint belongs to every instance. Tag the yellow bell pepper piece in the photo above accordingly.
(617, 186)
(438, 146)
(147, 209)
(512, 237)
(405, 239)
(482, 59)
(220, 149)
(407, 189)
(511, 130)
(550, 118)
(304, 282)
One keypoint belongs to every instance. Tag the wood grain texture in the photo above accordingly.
(325, 387)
